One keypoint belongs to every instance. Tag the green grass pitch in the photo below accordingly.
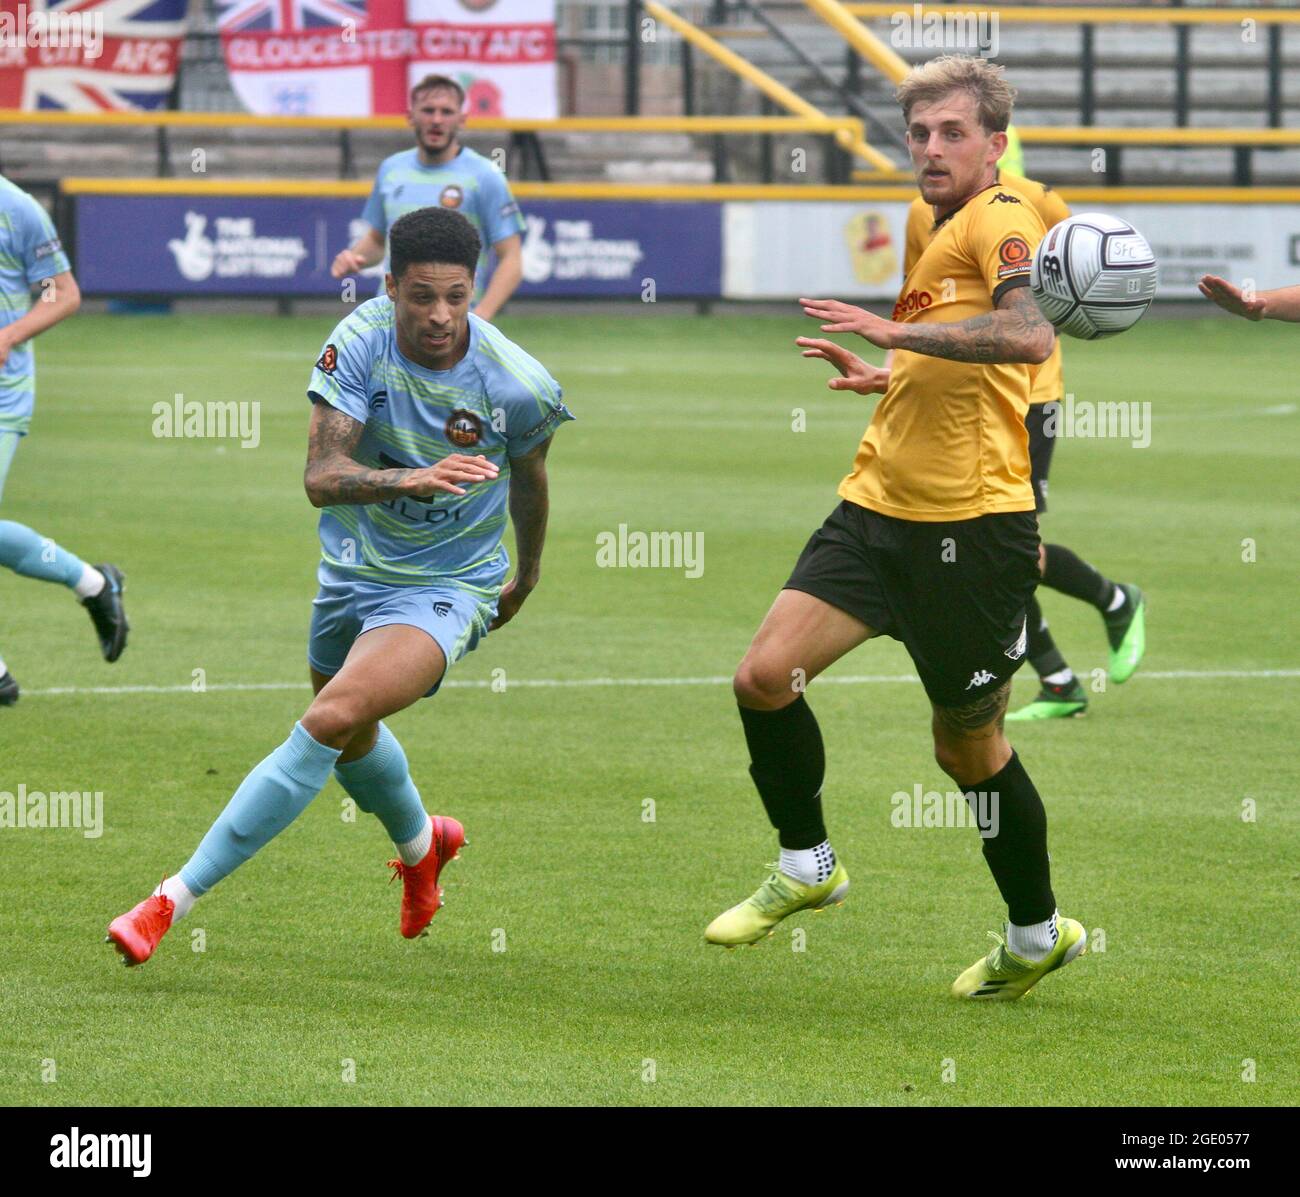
(605, 991)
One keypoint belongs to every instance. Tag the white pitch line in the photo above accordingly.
(864, 679)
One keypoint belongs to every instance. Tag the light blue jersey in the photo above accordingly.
(497, 401)
(30, 251)
(469, 184)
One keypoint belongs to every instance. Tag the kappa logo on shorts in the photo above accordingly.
(982, 678)
(1017, 650)
(328, 360)
(442, 609)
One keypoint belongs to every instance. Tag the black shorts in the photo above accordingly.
(953, 593)
(1040, 451)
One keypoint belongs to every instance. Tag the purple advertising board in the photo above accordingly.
(283, 246)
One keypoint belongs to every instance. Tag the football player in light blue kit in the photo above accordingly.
(412, 563)
(31, 256)
(440, 172)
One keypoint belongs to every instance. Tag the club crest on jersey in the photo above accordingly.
(1015, 255)
(328, 360)
(452, 196)
(464, 429)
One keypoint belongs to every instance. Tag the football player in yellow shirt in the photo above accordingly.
(1122, 606)
(935, 541)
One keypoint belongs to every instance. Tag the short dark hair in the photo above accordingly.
(437, 83)
(433, 235)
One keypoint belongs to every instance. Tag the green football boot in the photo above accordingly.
(1054, 702)
(1002, 976)
(1126, 630)
(777, 898)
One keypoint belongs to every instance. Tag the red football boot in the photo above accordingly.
(421, 894)
(137, 932)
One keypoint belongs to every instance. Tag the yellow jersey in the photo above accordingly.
(947, 440)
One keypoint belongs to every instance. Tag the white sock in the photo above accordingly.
(1117, 600)
(811, 866)
(1062, 677)
(91, 583)
(176, 889)
(3, 667)
(414, 851)
(1032, 943)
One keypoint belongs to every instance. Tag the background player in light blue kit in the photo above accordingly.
(440, 172)
(412, 563)
(32, 256)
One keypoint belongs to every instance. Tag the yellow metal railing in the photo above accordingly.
(811, 122)
(719, 192)
(1086, 14)
(777, 92)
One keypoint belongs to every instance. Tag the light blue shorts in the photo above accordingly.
(8, 447)
(345, 607)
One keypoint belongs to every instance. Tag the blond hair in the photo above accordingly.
(981, 79)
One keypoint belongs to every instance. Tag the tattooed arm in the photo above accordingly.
(1015, 332)
(333, 476)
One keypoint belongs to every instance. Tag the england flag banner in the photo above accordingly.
(360, 57)
(89, 55)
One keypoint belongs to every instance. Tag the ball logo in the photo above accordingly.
(464, 429)
(477, 5)
(452, 196)
(913, 301)
(1053, 275)
(328, 360)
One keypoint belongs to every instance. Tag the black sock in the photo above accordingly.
(788, 764)
(1017, 854)
(1041, 649)
(1070, 574)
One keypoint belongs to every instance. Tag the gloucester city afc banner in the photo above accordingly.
(360, 57)
(89, 55)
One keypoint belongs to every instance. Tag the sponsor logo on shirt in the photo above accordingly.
(464, 429)
(913, 301)
(48, 248)
(328, 360)
(1015, 255)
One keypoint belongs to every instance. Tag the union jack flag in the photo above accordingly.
(121, 54)
(245, 16)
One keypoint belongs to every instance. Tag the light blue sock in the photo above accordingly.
(380, 784)
(32, 555)
(274, 794)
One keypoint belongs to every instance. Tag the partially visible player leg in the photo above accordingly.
(800, 637)
(99, 587)
(1060, 694)
(1121, 604)
(373, 769)
(972, 749)
(387, 670)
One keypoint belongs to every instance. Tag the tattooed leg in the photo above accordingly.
(968, 740)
